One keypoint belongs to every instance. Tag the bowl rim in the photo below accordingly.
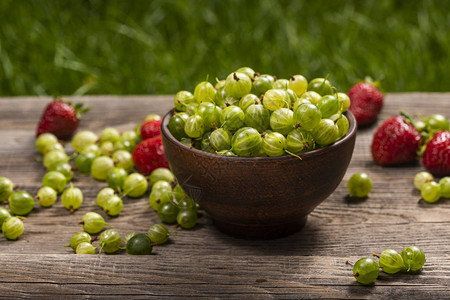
(348, 136)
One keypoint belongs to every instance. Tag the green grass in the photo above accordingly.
(159, 47)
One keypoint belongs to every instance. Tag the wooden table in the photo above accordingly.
(206, 263)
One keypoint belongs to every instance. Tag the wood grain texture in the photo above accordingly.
(204, 263)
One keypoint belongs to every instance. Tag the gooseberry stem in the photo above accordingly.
(235, 76)
(293, 154)
(348, 263)
(376, 255)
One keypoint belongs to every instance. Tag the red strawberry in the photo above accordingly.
(395, 142)
(150, 129)
(366, 102)
(437, 154)
(149, 155)
(61, 118)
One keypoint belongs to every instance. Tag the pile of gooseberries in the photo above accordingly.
(430, 190)
(410, 260)
(110, 240)
(249, 114)
(107, 158)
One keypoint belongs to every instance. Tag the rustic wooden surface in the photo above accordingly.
(206, 263)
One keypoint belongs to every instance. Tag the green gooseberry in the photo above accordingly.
(182, 98)
(344, 101)
(274, 144)
(307, 116)
(55, 157)
(161, 174)
(104, 194)
(168, 212)
(109, 134)
(258, 117)
(176, 125)
(204, 92)
(187, 218)
(220, 97)
(123, 145)
(437, 122)
(421, 178)
(116, 177)
(63, 168)
(162, 185)
(139, 244)
(159, 196)
(190, 108)
(82, 139)
(85, 248)
(220, 139)
(78, 238)
(413, 257)
(322, 86)
(21, 203)
(101, 166)
(6, 188)
(282, 120)
(262, 84)
(46, 196)
(44, 141)
(205, 144)
(135, 185)
(444, 185)
(366, 270)
(72, 198)
(299, 140)
(292, 97)
(391, 261)
(281, 84)
(210, 114)
(4, 214)
(56, 180)
(328, 106)
(151, 117)
(326, 132)
(83, 162)
(158, 233)
(93, 148)
(232, 117)
(12, 228)
(247, 100)
(311, 96)
(298, 84)
(110, 241)
(194, 126)
(113, 206)
(431, 192)
(93, 223)
(341, 123)
(247, 71)
(359, 185)
(276, 98)
(237, 85)
(106, 148)
(123, 159)
(246, 142)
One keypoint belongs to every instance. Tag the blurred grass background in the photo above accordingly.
(160, 47)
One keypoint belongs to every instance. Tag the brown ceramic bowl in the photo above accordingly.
(259, 197)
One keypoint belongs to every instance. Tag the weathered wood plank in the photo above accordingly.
(206, 263)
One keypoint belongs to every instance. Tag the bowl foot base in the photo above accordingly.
(260, 232)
